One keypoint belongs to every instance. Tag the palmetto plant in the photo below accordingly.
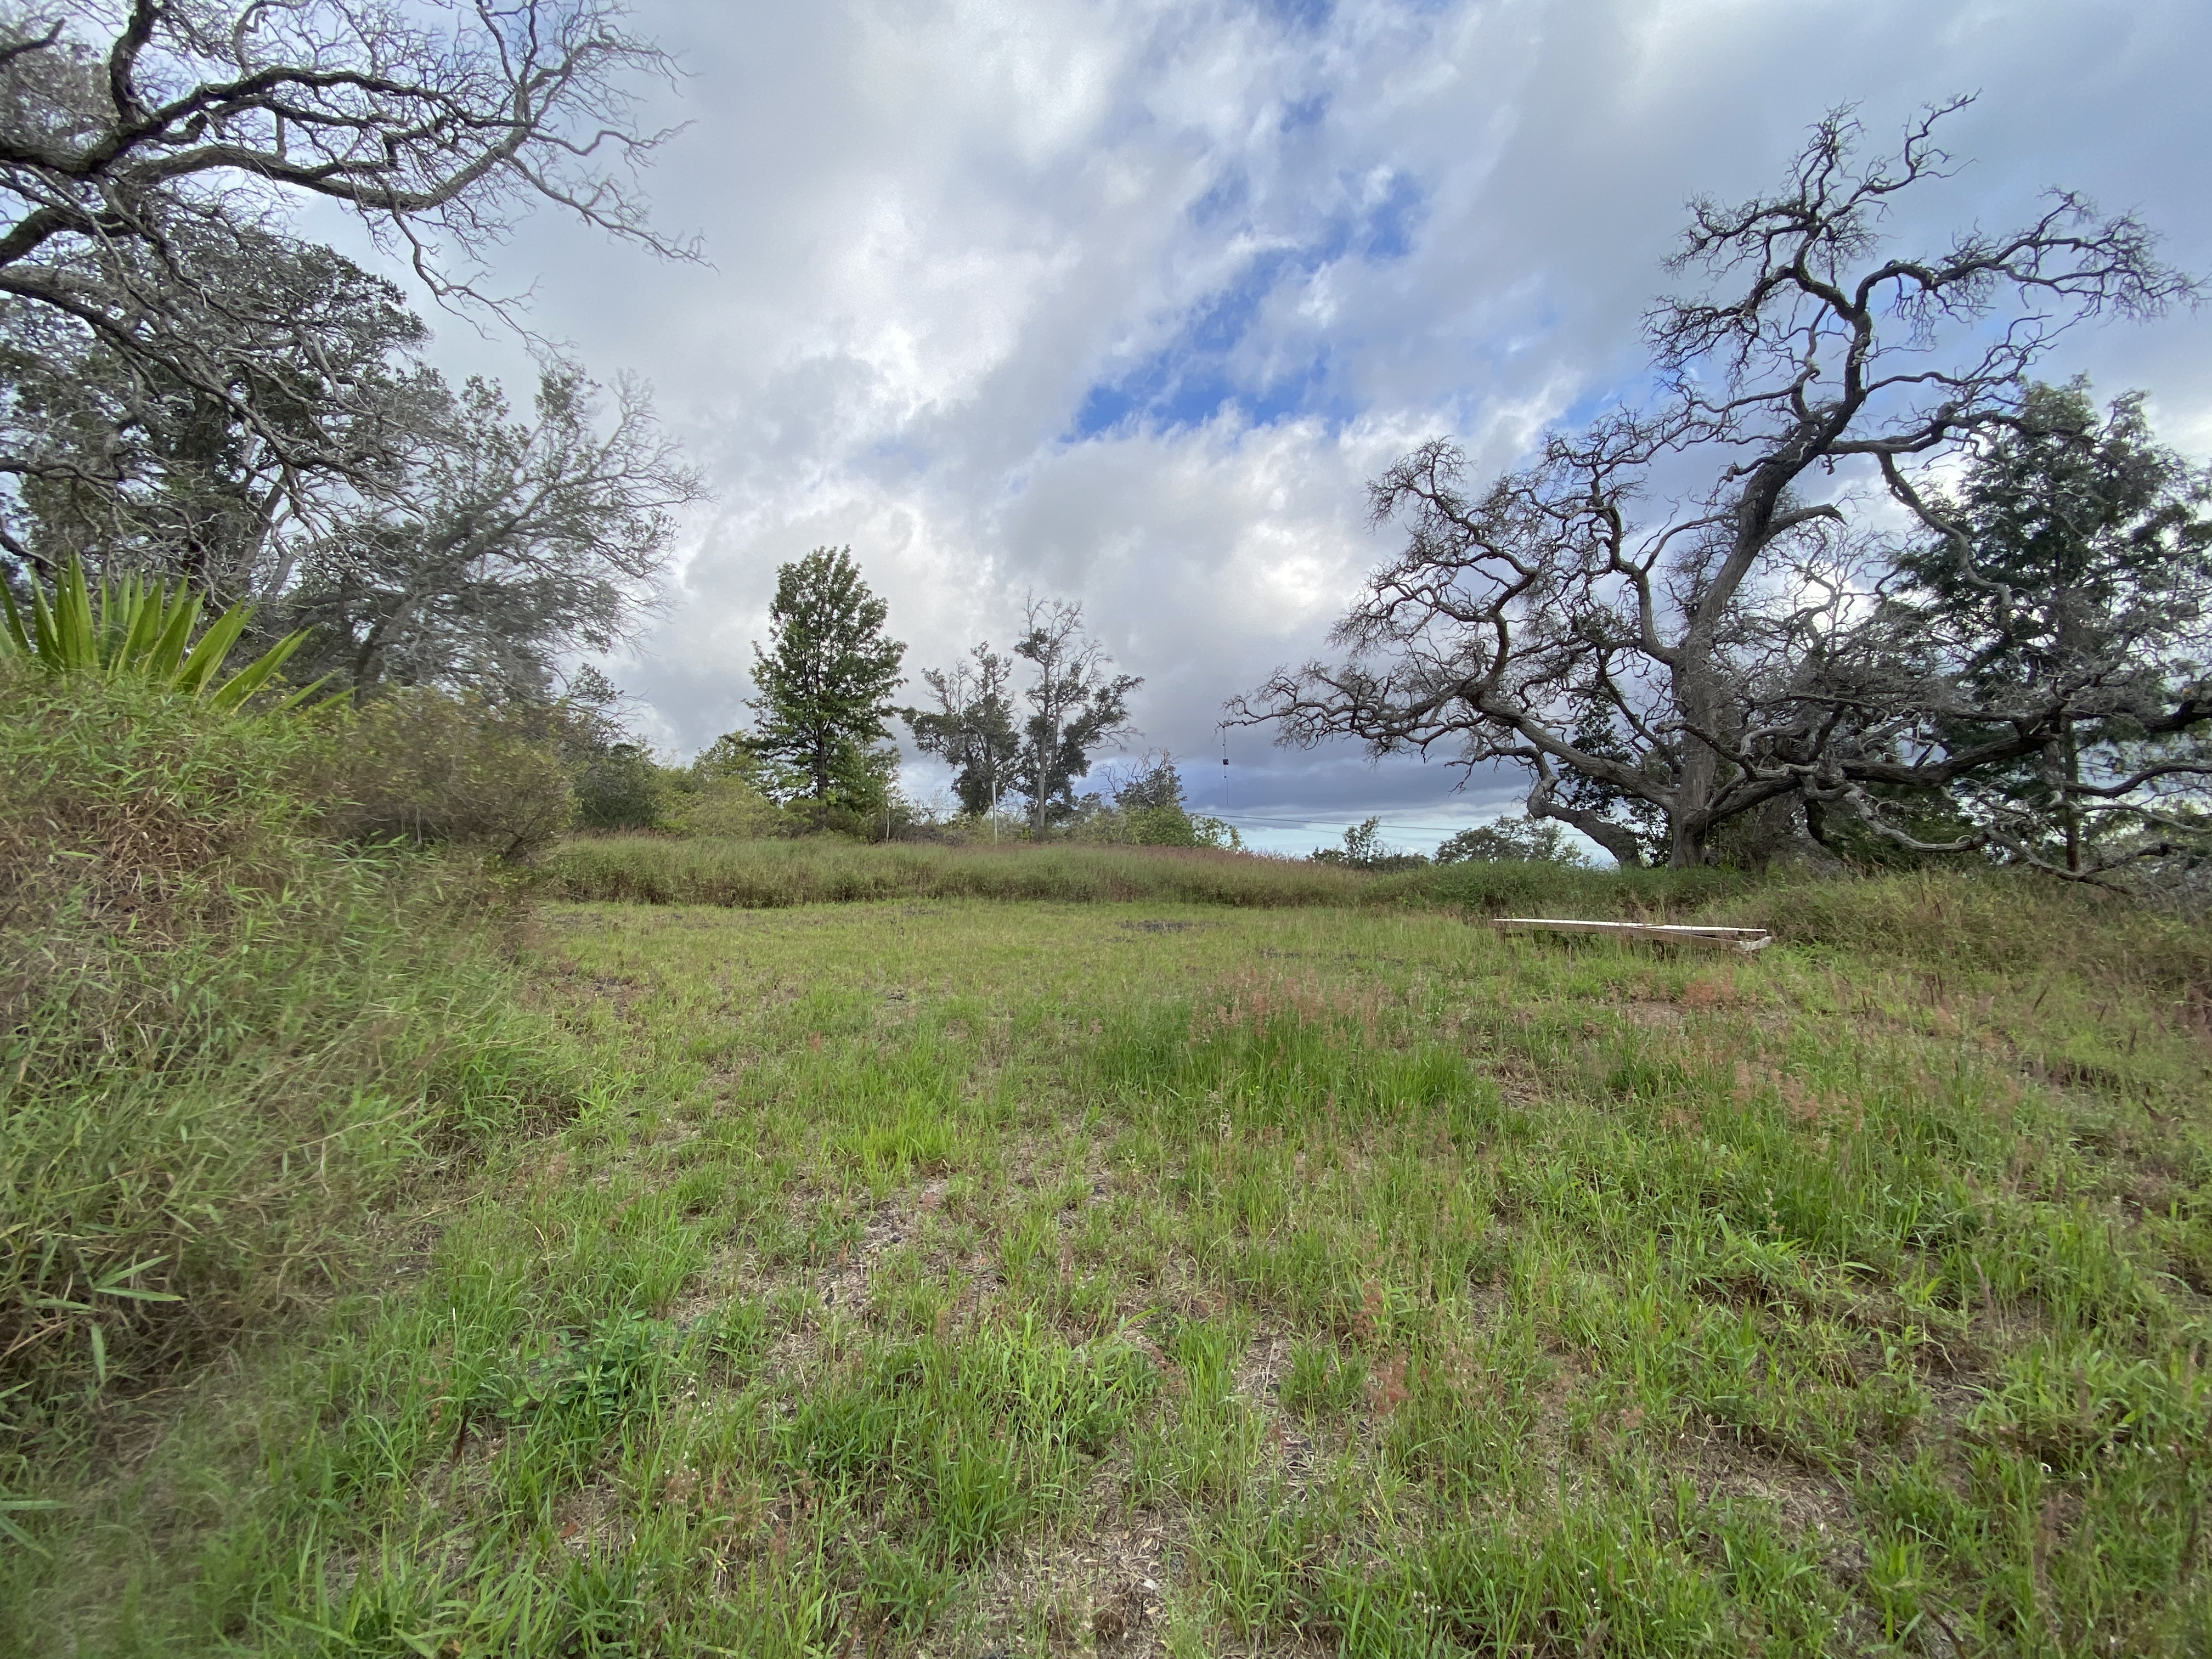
(140, 628)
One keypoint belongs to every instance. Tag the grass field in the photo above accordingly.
(959, 1277)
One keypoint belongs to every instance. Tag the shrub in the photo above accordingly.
(422, 766)
(1363, 849)
(620, 788)
(1512, 841)
(139, 630)
(729, 808)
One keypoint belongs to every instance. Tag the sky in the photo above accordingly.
(1122, 302)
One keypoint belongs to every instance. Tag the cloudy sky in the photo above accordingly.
(1121, 301)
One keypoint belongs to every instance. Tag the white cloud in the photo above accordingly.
(936, 229)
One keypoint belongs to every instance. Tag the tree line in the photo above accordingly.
(1020, 730)
(1854, 581)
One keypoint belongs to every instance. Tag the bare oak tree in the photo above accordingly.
(1661, 655)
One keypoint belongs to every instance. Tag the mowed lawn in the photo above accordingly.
(965, 1278)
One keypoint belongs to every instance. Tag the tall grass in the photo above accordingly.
(775, 874)
(1550, 890)
(220, 1038)
(1994, 919)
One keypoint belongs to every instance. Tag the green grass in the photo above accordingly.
(1937, 920)
(224, 1042)
(1052, 1277)
(229, 1053)
(775, 874)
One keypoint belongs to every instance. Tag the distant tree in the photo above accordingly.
(1365, 848)
(972, 727)
(1148, 801)
(1656, 606)
(730, 756)
(1511, 840)
(1152, 786)
(1077, 707)
(617, 783)
(826, 682)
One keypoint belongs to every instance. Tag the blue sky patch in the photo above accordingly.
(1196, 375)
(1390, 224)
(1307, 15)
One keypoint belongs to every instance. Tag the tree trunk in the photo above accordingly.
(1617, 841)
(1698, 694)
(2069, 803)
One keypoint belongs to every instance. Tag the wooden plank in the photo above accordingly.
(1745, 940)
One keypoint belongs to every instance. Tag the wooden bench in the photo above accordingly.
(1745, 940)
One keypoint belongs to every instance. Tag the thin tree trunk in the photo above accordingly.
(2069, 803)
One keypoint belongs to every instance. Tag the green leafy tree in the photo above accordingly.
(825, 680)
(972, 727)
(1153, 811)
(2066, 600)
(1511, 840)
(617, 782)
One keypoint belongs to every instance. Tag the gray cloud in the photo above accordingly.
(1123, 301)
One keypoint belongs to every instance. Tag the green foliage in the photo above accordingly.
(1364, 848)
(617, 783)
(1512, 841)
(824, 682)
(223, 1038)
(620, 789)
(725, 809)
(1148, 809)
(430, 768)
(137, 629)
(972, 727)
(2084, 550)
(1174, 825)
